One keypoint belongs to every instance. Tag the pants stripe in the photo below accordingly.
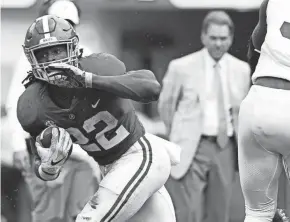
(133, 184)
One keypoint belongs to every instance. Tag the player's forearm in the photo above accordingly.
(258, 36)
(260, 31)
(253, 55)
(138, 85)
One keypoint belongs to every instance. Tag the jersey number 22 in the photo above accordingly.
(89, 126)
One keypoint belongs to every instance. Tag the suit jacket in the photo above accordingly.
(182, 98)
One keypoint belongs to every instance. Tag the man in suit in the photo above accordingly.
(199, 105)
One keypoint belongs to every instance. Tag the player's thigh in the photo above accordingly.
(141, 171)
(157, 208)
(266, 112)
(259, 168)
(129, 182)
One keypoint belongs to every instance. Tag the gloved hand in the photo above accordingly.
(54, 157)
(74, 77)
(102, 64)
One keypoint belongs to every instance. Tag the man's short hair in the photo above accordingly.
(218, 18)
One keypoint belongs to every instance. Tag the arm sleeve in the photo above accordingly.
(139, 85)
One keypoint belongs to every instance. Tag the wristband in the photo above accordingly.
(88, 79)
(48, 175)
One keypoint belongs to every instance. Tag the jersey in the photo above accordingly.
(274, 60)
(104, 125)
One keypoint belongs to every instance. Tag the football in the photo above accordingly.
(45, 137)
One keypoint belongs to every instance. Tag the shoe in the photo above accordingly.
(280, 216)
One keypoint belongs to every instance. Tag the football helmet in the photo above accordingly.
(47, 31)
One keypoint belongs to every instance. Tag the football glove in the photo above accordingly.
(53, 158)
(102, 64)
(74, 77)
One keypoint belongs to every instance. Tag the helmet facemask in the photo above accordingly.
(50, 31)
(41, 71)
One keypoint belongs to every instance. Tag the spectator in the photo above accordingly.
(199, 105)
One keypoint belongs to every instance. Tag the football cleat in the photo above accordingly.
(280, 216)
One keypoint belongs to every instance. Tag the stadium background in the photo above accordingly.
(144, 34)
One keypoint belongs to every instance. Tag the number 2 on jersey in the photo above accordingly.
(89, 126)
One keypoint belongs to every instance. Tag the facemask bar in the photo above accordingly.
(39, 70)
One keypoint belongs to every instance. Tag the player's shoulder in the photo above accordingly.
(28, 105)
(100, 63)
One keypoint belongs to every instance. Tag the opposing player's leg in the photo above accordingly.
(264, 138)
(129, 182)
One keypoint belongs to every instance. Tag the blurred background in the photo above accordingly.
(143, 34)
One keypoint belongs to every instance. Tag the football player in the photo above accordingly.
(88, 99)
(61, 199)
(264, 133)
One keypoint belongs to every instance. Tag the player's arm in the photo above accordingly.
(36, 163)
(109, 74)
(258, 36)
(47, 161)
(140, 85)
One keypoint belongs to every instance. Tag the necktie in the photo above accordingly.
(222, 137)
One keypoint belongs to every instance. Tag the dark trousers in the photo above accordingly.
(11, 179)
(204, 193)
